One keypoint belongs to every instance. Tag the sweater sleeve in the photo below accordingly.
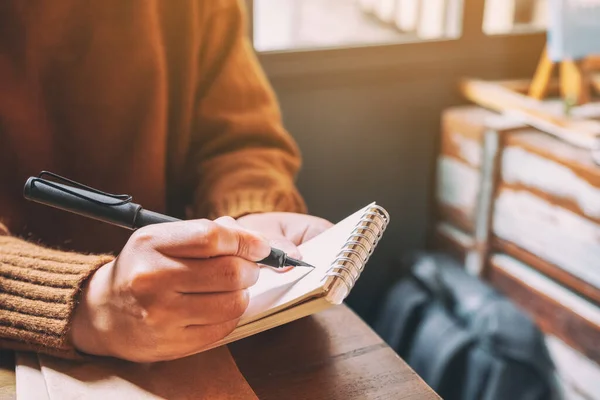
(243, 159)
(39, 290)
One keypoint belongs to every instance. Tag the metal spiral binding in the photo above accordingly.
(350, 261)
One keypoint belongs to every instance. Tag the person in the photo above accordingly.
(164, 101)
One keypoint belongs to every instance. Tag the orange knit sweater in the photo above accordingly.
(159, 99)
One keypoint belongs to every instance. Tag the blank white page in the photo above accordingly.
(277, 290)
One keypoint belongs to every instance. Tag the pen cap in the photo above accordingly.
(80, 201)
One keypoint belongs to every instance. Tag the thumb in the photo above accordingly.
(277, 241)
(244, 233)
(202, 239)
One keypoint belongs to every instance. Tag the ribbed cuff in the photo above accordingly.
(40, 289)
(251, 202)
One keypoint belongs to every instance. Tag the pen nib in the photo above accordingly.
(298, 263)
(303, 264)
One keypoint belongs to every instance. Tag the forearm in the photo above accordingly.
(40, 289)
(243, 159)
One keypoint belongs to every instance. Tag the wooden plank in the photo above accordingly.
(579, 373)
(459, 179)
(458, 185)
(560, 173)
(450, 239)
(551, 233)
(582, 133)
(524, 85)
(556, 310)
(558, 274)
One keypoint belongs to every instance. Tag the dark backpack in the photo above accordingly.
(466, 340)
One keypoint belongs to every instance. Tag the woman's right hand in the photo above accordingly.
(174, 289)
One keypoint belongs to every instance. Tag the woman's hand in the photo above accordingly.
(174, 289)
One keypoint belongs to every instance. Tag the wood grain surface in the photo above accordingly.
(331, 355)
(552, 317)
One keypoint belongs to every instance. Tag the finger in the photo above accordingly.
(315, 229)
(196, 338)
(229, 222)
(207, 309)
(303, 228)
(202, 239)
(279, 242)
(282, 243)
(181, 342)
(219, 274)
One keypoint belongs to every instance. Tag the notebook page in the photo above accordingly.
(30, 384)
(276, 290)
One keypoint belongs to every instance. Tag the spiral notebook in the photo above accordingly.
(339, 255)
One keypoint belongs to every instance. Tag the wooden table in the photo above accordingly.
(330, 355)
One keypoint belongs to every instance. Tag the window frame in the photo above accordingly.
(474, 46)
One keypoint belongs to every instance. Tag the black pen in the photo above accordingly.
(114, 209)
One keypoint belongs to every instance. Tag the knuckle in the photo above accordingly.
(323, 223)
(234, 273)
(226, 219)
(152, 276)
(210, 233)
(143, 236)
(237, 304)
(245, 244)
(233, 276)
(253, 270)
(140, 284)
(147, 301)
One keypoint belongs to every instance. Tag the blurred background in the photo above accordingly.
(502, 173)
(362, 86)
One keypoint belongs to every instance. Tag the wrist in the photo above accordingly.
(86, 333)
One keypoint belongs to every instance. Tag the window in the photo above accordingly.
(514, 16)
(281, 25)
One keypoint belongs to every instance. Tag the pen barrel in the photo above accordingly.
(146, 217)
(112, 209)
(99, 208)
